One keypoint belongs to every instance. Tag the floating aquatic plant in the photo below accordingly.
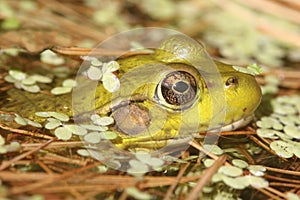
(52, 58)
(24, 121)
(99, 71)
(252, 69)
(11, 147)
(282, 126)
(21, 80)
(66, 87)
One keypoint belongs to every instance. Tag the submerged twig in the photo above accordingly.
(173, 186)
(25, 132)
(8, 163)
(206, 177)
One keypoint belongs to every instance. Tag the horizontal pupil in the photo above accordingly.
(181, 86)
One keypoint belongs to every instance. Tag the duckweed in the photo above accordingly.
(92, 137)
(49, 57)
(137, 194)
(282, 126)
(231, 171)
(257, 170)
(24, 121)
(252, 69)
(26, 82)
(102, 121)
(52, 123)
(99, 71)
(240, 163)
(63, 133)
(66, 87)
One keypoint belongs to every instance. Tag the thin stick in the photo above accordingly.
(173, 186)
(62, 159)
(79, 51)
(24, 132)
(269, 194)
(8, 163)
(34, 186)
(254, 139)
(206, 177)
(281, 179)
(56, 144)
(227, 133)
(283, 171)
(293, 185)
(275, 192)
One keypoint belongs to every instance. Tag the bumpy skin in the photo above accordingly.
(143, 118)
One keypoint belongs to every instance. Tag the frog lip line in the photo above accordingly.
(117, 103)
(238, 123)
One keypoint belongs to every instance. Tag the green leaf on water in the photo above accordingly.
(43, 114)
(108, 135)
(10, 79)
(281, 148)
(213, 149)
(33, 123)
(52, 58)
(110, 82)
(69, 83)
(2, 141)
(137, 194)
(238, 183)
(31, 88)
(292, 131)
(96, 62)
(41, 78)
(61, 90)
(257, 182)
(53, 123)
(110, 66)
(92, 137)
(102, 121)
(60, 116)
(16, 74)
(257, 170)
(20, 120)
(28, 81)
(252, 69)
(94, 127)
(75, 129)
(230, 171)
(94, 73)
(83, 152)
(63, 133)
(240, 163)
(208, 162)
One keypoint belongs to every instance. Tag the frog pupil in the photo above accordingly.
(178, 88)
(181, 86)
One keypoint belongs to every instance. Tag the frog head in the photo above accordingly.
(177, 90)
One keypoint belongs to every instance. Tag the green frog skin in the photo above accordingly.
(175, 90)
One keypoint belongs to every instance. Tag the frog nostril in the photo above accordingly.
(231, 81)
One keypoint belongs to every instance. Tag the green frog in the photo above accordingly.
(177, 90)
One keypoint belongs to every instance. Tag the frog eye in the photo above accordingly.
(177, 89)
(231, 81)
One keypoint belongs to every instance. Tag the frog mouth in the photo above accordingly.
(132, 117)
(238, 123)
